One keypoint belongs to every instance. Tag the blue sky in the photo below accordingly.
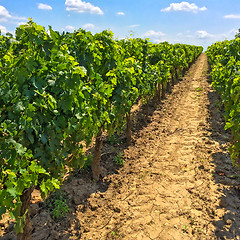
(198, 22)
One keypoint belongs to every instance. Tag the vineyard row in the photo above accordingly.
(224, 58)
(58, 91)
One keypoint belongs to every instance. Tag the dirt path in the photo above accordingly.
(169, 188)
(177, 183)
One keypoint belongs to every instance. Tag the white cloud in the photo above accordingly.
(189, 36)
(153, 34)
(4, 12)
(229, 35)
(203, 37)
(19, 18)
(233, 31)
(201, 34)
(43, 6)
(232, 16)
(157, 41)
(184, 6)
(21, 23)
(3, 29)
(120, 13)
(134, 26)
(89, 26)
(70, 28)
(5, 15)
(82, 7)
(155, 37)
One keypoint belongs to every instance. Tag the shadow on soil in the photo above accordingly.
(225, 174)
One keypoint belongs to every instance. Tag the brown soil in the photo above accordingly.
(177, 182)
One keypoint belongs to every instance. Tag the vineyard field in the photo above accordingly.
(103, 138)
(176, 181)
(59, 91)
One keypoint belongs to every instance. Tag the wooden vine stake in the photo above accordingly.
(168, 86)
(159, 92)
(128, 129)
(147, 109)
(25, 214)
(176, 74)
(163, 91)
(173, 77)
(97, 170)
